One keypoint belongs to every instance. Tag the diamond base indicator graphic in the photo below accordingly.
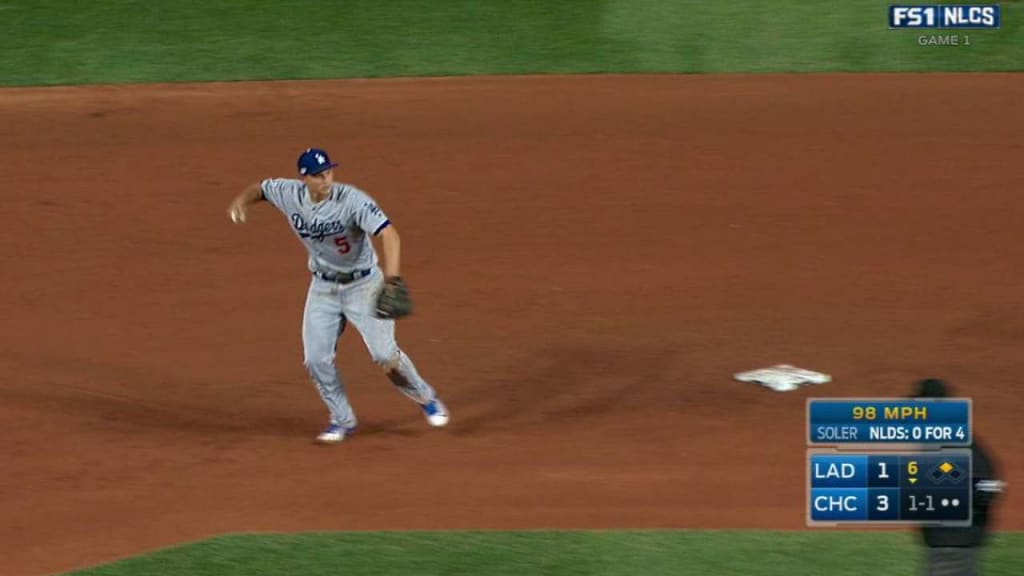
(889, 488)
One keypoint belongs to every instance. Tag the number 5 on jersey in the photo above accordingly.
(342, 243)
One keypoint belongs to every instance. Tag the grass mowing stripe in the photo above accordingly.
(70, 41)
(593, 553)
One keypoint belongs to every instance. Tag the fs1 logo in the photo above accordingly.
(944, 16)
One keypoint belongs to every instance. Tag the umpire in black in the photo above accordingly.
(955, 551)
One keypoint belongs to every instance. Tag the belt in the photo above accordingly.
(343, 277)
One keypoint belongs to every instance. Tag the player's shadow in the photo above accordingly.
(554, 385)
(140, 402)
(100, 412)
(563, 385)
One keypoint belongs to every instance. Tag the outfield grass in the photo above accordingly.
(594, 553)
(46, 42)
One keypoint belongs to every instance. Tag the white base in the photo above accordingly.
(783, 377)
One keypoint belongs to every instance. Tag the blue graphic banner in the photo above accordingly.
(854, 421)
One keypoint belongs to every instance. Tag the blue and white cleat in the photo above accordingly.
(334, 434)
(437, 413)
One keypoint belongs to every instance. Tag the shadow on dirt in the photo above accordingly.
(566, 384)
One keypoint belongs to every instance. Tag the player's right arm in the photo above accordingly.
(252, 194)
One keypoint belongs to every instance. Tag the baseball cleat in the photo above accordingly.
(437, 413)
(334, 433)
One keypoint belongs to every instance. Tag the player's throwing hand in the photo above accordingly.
(237, 212)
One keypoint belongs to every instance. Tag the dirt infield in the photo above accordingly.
(591, 257)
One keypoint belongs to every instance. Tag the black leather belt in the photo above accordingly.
(343, 277)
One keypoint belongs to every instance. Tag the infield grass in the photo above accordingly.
(592, 553)
(47, 42)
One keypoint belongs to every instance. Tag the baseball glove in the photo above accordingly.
(393, 301)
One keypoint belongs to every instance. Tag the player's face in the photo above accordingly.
(319, 183)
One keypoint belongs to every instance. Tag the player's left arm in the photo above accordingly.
(391, 245)
(374, 221)
(393, 301)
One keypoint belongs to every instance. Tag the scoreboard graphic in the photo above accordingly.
(908, 487)
(889, 461)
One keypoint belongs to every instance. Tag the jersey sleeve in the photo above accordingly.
(274, 191)
(368, 216)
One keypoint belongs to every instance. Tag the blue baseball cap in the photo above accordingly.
(314, 161)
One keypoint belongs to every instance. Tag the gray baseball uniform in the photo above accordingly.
(346, 280)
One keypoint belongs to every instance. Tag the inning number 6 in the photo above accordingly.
(342, 243)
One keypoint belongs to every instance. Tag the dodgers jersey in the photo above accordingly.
(336, 232)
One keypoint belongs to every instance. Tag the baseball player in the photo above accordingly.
(335, 222)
